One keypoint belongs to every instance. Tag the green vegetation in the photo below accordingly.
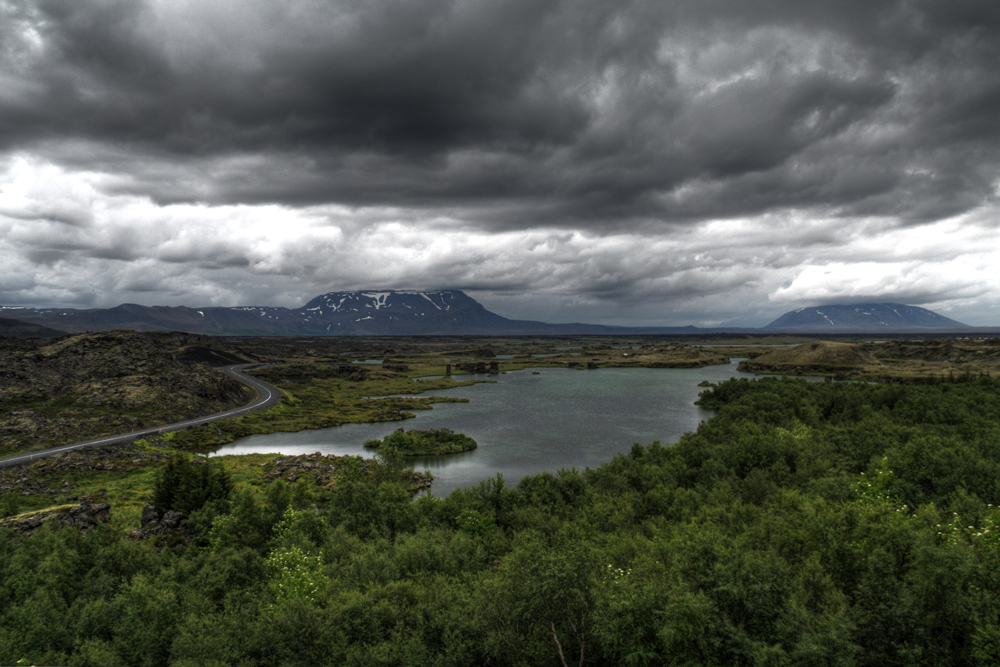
(186, 486)
(423, 443)
(804, 524)
(320, 396)
(9, 505)
(841, 524)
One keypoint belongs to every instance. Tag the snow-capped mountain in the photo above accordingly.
(862, 317)
(396, 312)
(376, 312)
(443, 312)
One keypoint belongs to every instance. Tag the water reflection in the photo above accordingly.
(529, 421)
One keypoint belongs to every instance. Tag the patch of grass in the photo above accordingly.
(246, 469)
(128, 492)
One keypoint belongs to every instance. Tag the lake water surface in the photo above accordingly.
(526, 423)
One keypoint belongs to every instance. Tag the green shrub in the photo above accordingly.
(187, 485)
(423, 443)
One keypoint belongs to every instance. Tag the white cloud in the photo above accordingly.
(108, 248)
(948, 265)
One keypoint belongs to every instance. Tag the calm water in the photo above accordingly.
(527, 423)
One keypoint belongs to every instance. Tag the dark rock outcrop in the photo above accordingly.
(323, 470)
(81, 517)
(154, 523)
(49, 475)
(819, 357)
(105, 383)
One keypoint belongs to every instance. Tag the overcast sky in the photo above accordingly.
(608, 161)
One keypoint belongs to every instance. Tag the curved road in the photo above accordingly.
(267, 396)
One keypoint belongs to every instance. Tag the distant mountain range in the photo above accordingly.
(375, 313)
(863, 317)
(446, 312)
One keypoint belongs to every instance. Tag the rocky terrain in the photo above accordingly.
(105, 383)
(945, 350)
(155, 524)
(812, 358)
(904, 361)
(54, 474)
(325, 470)
(82, 516)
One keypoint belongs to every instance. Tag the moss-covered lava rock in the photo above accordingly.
(816, 357)
(95, 384)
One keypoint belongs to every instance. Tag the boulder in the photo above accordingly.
(154, 523)
(81, 517)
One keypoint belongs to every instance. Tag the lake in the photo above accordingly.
(526, 422)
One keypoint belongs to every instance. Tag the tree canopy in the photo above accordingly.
(804, 524)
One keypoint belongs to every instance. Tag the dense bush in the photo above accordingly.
(423, 443)
(187, 485)
(805, 524)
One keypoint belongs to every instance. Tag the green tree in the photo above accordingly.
(187, 485)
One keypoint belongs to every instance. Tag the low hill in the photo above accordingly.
(11, 328)
(820, 356)
(863, 317)
(94, 384)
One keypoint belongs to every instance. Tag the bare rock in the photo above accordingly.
(81, 517)
(153, 524)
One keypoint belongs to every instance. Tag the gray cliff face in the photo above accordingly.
(862, 317)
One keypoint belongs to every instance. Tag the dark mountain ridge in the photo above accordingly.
(385, 312)
(863, 317)
(443, 312)
(10, 328)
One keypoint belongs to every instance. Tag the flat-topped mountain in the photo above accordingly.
(863, 317)
(394, 312)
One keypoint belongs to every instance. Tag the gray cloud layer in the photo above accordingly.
(537, 146)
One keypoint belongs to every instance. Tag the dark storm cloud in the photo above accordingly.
(688, 161)
(526, 112)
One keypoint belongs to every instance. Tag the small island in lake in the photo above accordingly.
(423, 443)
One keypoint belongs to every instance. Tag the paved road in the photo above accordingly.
(267, 396)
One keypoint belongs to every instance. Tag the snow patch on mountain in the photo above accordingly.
(867, 316)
